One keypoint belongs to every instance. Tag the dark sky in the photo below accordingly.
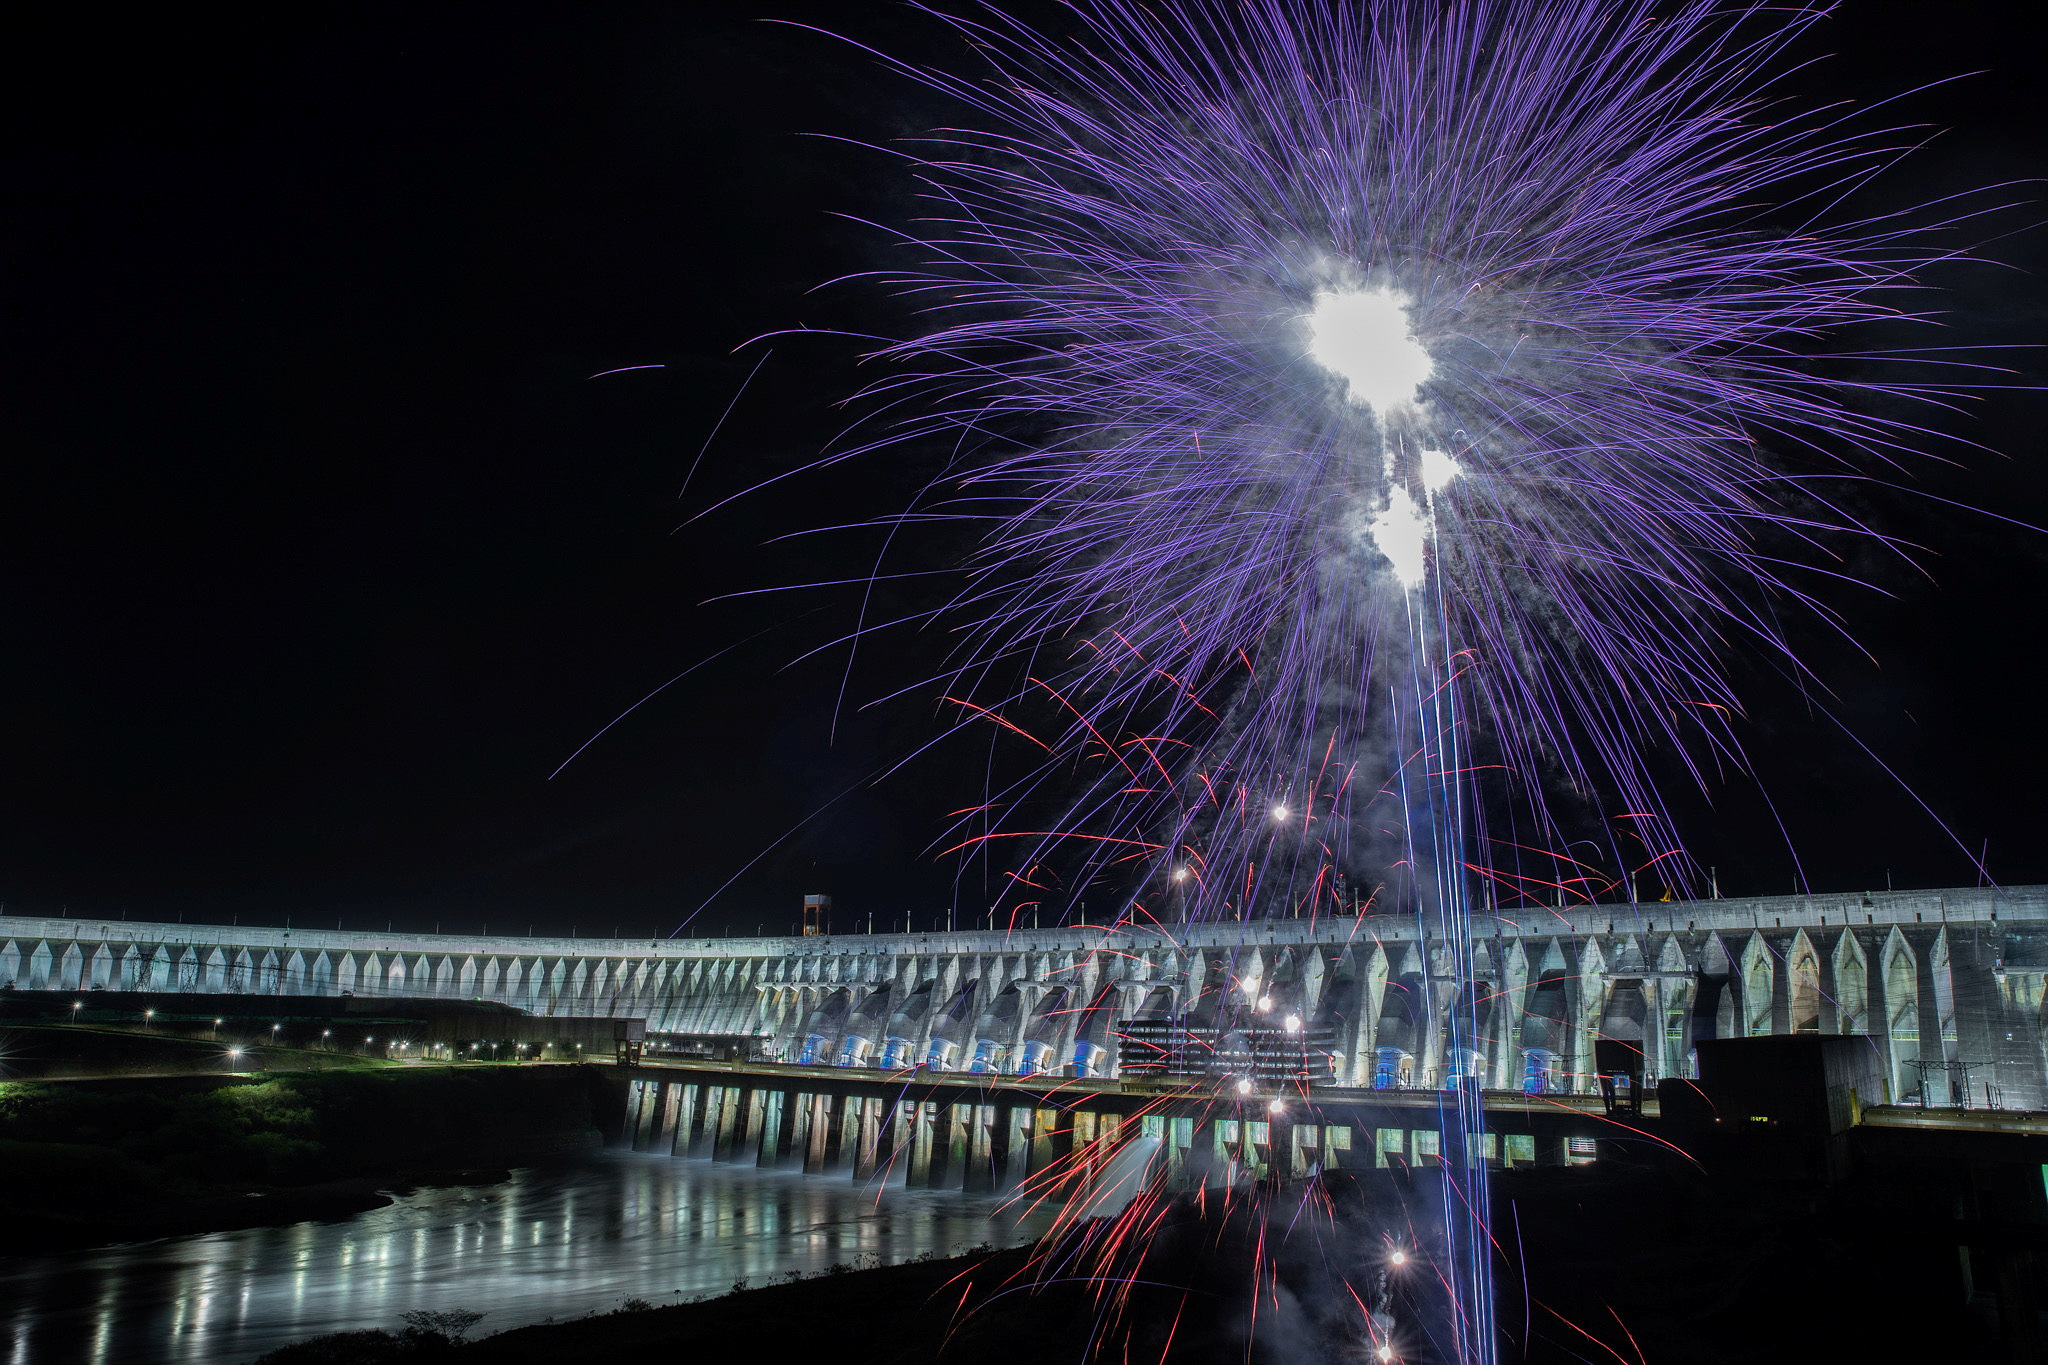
(322, 550)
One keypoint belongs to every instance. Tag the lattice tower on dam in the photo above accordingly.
(1950, 976)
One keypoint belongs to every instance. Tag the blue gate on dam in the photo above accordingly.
(1948, 984)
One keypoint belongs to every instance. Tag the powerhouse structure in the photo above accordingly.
(1948, 985)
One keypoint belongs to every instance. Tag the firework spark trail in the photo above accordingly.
(1555, 198)
(1382, 419)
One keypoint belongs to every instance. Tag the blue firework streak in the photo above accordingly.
(1369, 410)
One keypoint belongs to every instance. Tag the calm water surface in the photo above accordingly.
(555, 1243)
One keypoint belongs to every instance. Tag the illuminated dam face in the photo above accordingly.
(1948, 977)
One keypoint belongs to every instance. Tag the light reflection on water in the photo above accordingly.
(548, 1243)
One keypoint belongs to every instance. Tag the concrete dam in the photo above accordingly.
(1947, 984)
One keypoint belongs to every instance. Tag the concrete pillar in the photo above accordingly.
(970, 1149)
(687, 1110)
(751, 1127)
(918, 1174)
(1002, 1142)
(901, 1136)
(1830, 1010)
(760, 1130)
(727, 1114)
(821, 1151)
(1216, 1143)
(852, 1122)
(709, 1122)
(795, 1110)
(860, 1132)
(1052, 1139)
(1087, 1146)
(653, 1097)
(671, 1115)
(1305, 1151)
(940, 1137)
(877, 1134)
(1781, 982)
(889, 1135)
(802, 1103)
(778, 1128)
(1038, 1142)
(704, 1119)
(736, 1124)
(629, 1122)
(663, 1130)
(980, 1173)
(949, 1154)
(1177, 1135)
(1255, 1144)
(949, 1148)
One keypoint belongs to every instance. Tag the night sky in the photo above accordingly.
(322, 550)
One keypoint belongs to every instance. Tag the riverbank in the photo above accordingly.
(955, 1309)
(91, 1163)
(976, 1307)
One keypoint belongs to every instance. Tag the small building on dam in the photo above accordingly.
(1947, 984)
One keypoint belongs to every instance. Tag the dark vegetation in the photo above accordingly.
(100, 1161)
(428, 1335)
(899, 1314)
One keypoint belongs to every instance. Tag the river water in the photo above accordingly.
(547, 1244)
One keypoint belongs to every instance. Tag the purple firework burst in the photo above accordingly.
(1302, 358)
(1381, 421)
